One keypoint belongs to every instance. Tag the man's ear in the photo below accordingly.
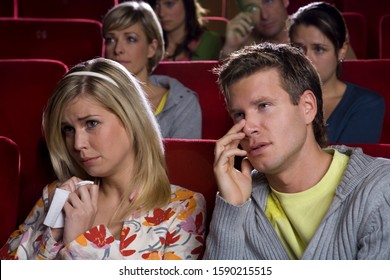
(308, 103)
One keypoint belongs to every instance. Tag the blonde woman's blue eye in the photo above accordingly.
(67, 129)
(92, 124)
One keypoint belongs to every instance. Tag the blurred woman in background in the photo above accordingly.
(185, 33)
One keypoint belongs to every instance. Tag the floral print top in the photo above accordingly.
(173, 232)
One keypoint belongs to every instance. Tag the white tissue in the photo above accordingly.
(55, 216)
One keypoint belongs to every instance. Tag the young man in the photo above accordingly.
(258, 21)
(301, 201)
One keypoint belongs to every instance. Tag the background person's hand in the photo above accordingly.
(238, 31)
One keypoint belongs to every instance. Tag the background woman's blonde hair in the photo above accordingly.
(128, 13)
(127, 101)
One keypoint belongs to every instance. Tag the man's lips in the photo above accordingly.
(258, 148)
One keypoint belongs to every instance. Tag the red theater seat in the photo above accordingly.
(294, 5)
(25, 88)
(357, 30)
(372, 11)
(68, 40)
(190, 165)
(217, 24)
(197, 76)
(375, 150)
(7, 8)
(9, 187)
(384, 37)
(372, 74)
(87, 9)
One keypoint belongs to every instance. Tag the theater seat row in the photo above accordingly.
(179, 155)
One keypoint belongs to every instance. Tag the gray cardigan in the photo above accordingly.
(181, 116)
(356, 225)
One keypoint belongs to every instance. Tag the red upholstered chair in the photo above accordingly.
(375, 150)
(217, 24)
(372, 11)
(7, 8)
(68, 40)
(87, 9)
(190, 165)
(197, 76)
(9, 187)
(372, 74)
(25, 88)
(384, 37)
(296, 4)
(357, 30)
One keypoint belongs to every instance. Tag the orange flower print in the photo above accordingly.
(97, 236)
(159, 216)
(171, 256)
(182, 195)
(151, 256)
(125, 242)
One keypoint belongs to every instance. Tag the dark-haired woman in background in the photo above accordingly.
(353, 114)
(185, 34)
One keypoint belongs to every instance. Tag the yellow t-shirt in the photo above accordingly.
(296, 216)
(161, 105)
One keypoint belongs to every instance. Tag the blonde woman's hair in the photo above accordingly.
(128, 13)
(123, 97)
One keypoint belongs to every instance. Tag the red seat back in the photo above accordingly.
(372, 74)
(190, 165)
(68, 40)
(86, 9)
(25, 86)
(375, 150)
(9, 187)
(372, 11)
(357, 30)
(217, 24)
(384, 37)
(197, 75)
(296, 4)
(7, 8)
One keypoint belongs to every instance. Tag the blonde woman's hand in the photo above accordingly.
(68, 185)
(80, 211)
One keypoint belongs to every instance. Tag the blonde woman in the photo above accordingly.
(99, 127)
(133, 37)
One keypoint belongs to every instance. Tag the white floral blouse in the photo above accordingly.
(173, 232)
